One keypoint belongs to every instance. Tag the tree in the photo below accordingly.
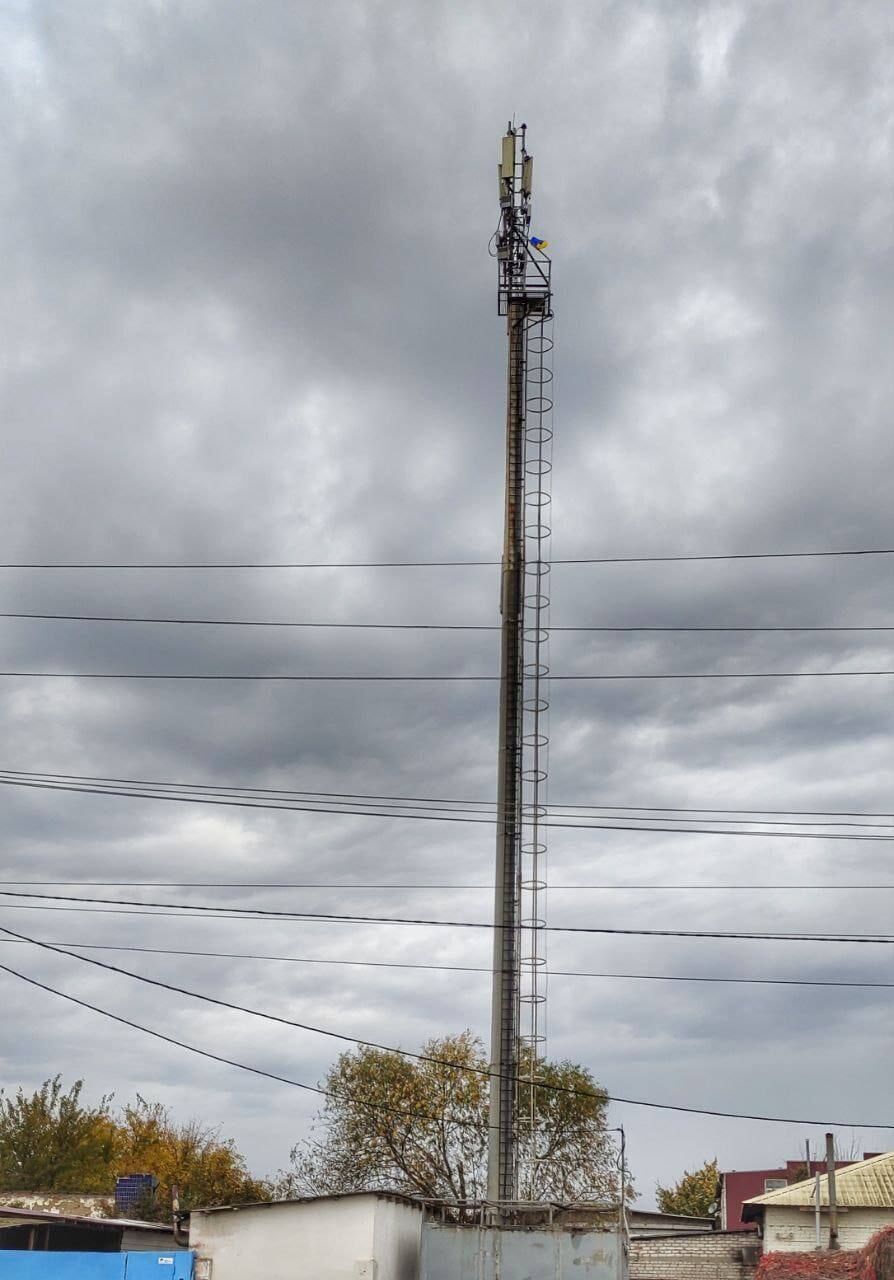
(190, 1156)
(694, 1195)
(51, 1141)
(420, 1126)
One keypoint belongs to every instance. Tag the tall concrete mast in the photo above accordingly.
(524, 297)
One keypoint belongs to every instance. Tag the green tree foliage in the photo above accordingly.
(426, 1132)
(191, 1156)
(694, 1195)
(51, 1141)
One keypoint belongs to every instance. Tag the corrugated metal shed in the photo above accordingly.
(868, 1184)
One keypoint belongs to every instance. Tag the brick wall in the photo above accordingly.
(713, 1256)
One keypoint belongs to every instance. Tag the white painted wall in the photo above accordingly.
(321, 1240)
(397, 1240)
(790, 1230)
(351, 1238)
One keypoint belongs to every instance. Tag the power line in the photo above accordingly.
(601, 1095)
(123, 911)
(420, 626)
(434, 800)
(350, 800)
(226, 913)
(742, 555)
(241, 622)
(426, 679)
(346, 803)
(341, 886)
(259, 564)
(446, 564)
(291, 1022)
(428, 817)
(303, 1026)
(465, 968)
(215, 1057)
(725, 628)
(263, 913)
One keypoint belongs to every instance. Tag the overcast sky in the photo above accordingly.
(249, 315)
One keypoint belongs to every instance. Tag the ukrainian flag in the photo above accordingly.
(539, 244)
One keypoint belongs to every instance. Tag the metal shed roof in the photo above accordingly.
(8, 1212)
(398, 1196)
(868, 1184)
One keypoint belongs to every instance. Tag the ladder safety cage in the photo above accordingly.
(518, 1027)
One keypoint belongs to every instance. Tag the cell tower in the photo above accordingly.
(519, 977)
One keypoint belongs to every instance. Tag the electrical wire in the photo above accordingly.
(226, 913)
(466, 968)
(414, 626)
(434, 800)
(291, 1022)
(263, 913)
(428, 817)
(429, 803)
(427, 679)
(445, 564)
(259, 564)
(418, 886)
(420, 804)
(601, 1095)
(216, 1057)
(234, 622)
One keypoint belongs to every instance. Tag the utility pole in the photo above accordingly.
(816, 1194)
(524, 297)
(833, 1197)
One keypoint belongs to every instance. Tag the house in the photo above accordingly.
(875, 1261)
(864, 1192)
(739, 1185)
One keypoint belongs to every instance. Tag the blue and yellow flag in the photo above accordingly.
(539, 244)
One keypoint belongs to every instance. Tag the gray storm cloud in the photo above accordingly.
(249, 315)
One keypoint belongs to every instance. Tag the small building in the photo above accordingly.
(42, 1230)
(864, 1191)
(378, 1235)
(368, 1235)
(649, 1222)
(875, 1260)
(739, 1185)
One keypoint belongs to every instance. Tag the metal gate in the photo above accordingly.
(38, 1264)
(504, 1253)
